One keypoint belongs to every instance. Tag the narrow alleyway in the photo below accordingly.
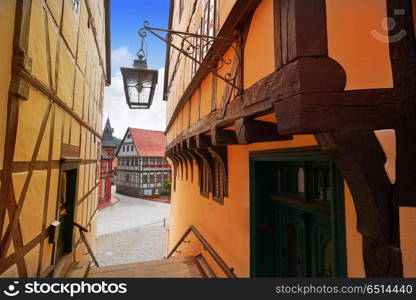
(131, 231)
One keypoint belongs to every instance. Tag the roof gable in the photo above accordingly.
(148, 142)
(107, 137)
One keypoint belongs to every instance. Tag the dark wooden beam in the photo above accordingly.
(203, 141)
(250, 131)
(178, 159)
(189, 156)
(191, 145)
(220, 136)
(357, 153)
(305, 74)
(306, 17)
(220, 153)
(206, 160)
(183, 159)
(345, 110)
(403, 63)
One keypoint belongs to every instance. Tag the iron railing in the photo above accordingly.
(227, 270)
(82, 229)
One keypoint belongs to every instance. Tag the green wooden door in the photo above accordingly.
(306, 235)
(66, 210)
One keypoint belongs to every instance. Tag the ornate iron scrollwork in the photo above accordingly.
(210, 59)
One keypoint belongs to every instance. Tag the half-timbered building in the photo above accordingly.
(290, 130)
(142, 167)
(108, 152)
(55, 63)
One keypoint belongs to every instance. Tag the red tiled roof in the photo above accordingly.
(149, 142)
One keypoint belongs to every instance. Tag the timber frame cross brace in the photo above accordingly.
(201, 49)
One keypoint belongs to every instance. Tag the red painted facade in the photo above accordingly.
(107, 165)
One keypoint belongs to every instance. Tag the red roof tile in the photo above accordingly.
(149, 142)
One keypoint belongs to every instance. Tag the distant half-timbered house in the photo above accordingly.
(142, 167)
(108, 149)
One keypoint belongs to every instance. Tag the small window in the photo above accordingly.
(144, 178)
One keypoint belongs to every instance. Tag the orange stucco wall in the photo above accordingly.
(355, 263)
(365, 59)
(259, 47)
(227, 227)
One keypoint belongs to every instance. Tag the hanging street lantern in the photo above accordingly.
(139, 82)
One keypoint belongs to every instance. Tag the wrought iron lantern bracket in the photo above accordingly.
(212, 60)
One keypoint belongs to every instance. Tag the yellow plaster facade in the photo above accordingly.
(61, 117)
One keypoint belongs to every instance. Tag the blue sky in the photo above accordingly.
(127, 16)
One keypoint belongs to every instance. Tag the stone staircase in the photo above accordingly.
(180, 267)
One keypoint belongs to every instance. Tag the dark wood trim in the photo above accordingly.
(277, 34)
(207, 167)
(10, 260)
(250, 131)
(191, 145)
(203, 141)
(214, 95)
(34, 82)
(184, 161)
(306, 16)
(70, 150)
(23, 166)
(20, 44)
(376, 208)
(17, 235)
(219, 153)
(220, 136)
(87, 194)
(5, 242)
(403, 62)
(48, 181)
(189, 156)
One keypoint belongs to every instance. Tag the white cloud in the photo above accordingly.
(116, 107)
(121, 57)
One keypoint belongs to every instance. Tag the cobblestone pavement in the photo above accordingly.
(131, 231)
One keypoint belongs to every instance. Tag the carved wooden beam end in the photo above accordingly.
(345, 110)
(203, 141)
(220, 136)
(251, 131)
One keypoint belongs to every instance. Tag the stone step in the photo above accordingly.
(79, 269)
(63, 266)
(206, 269)
(180, 267)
